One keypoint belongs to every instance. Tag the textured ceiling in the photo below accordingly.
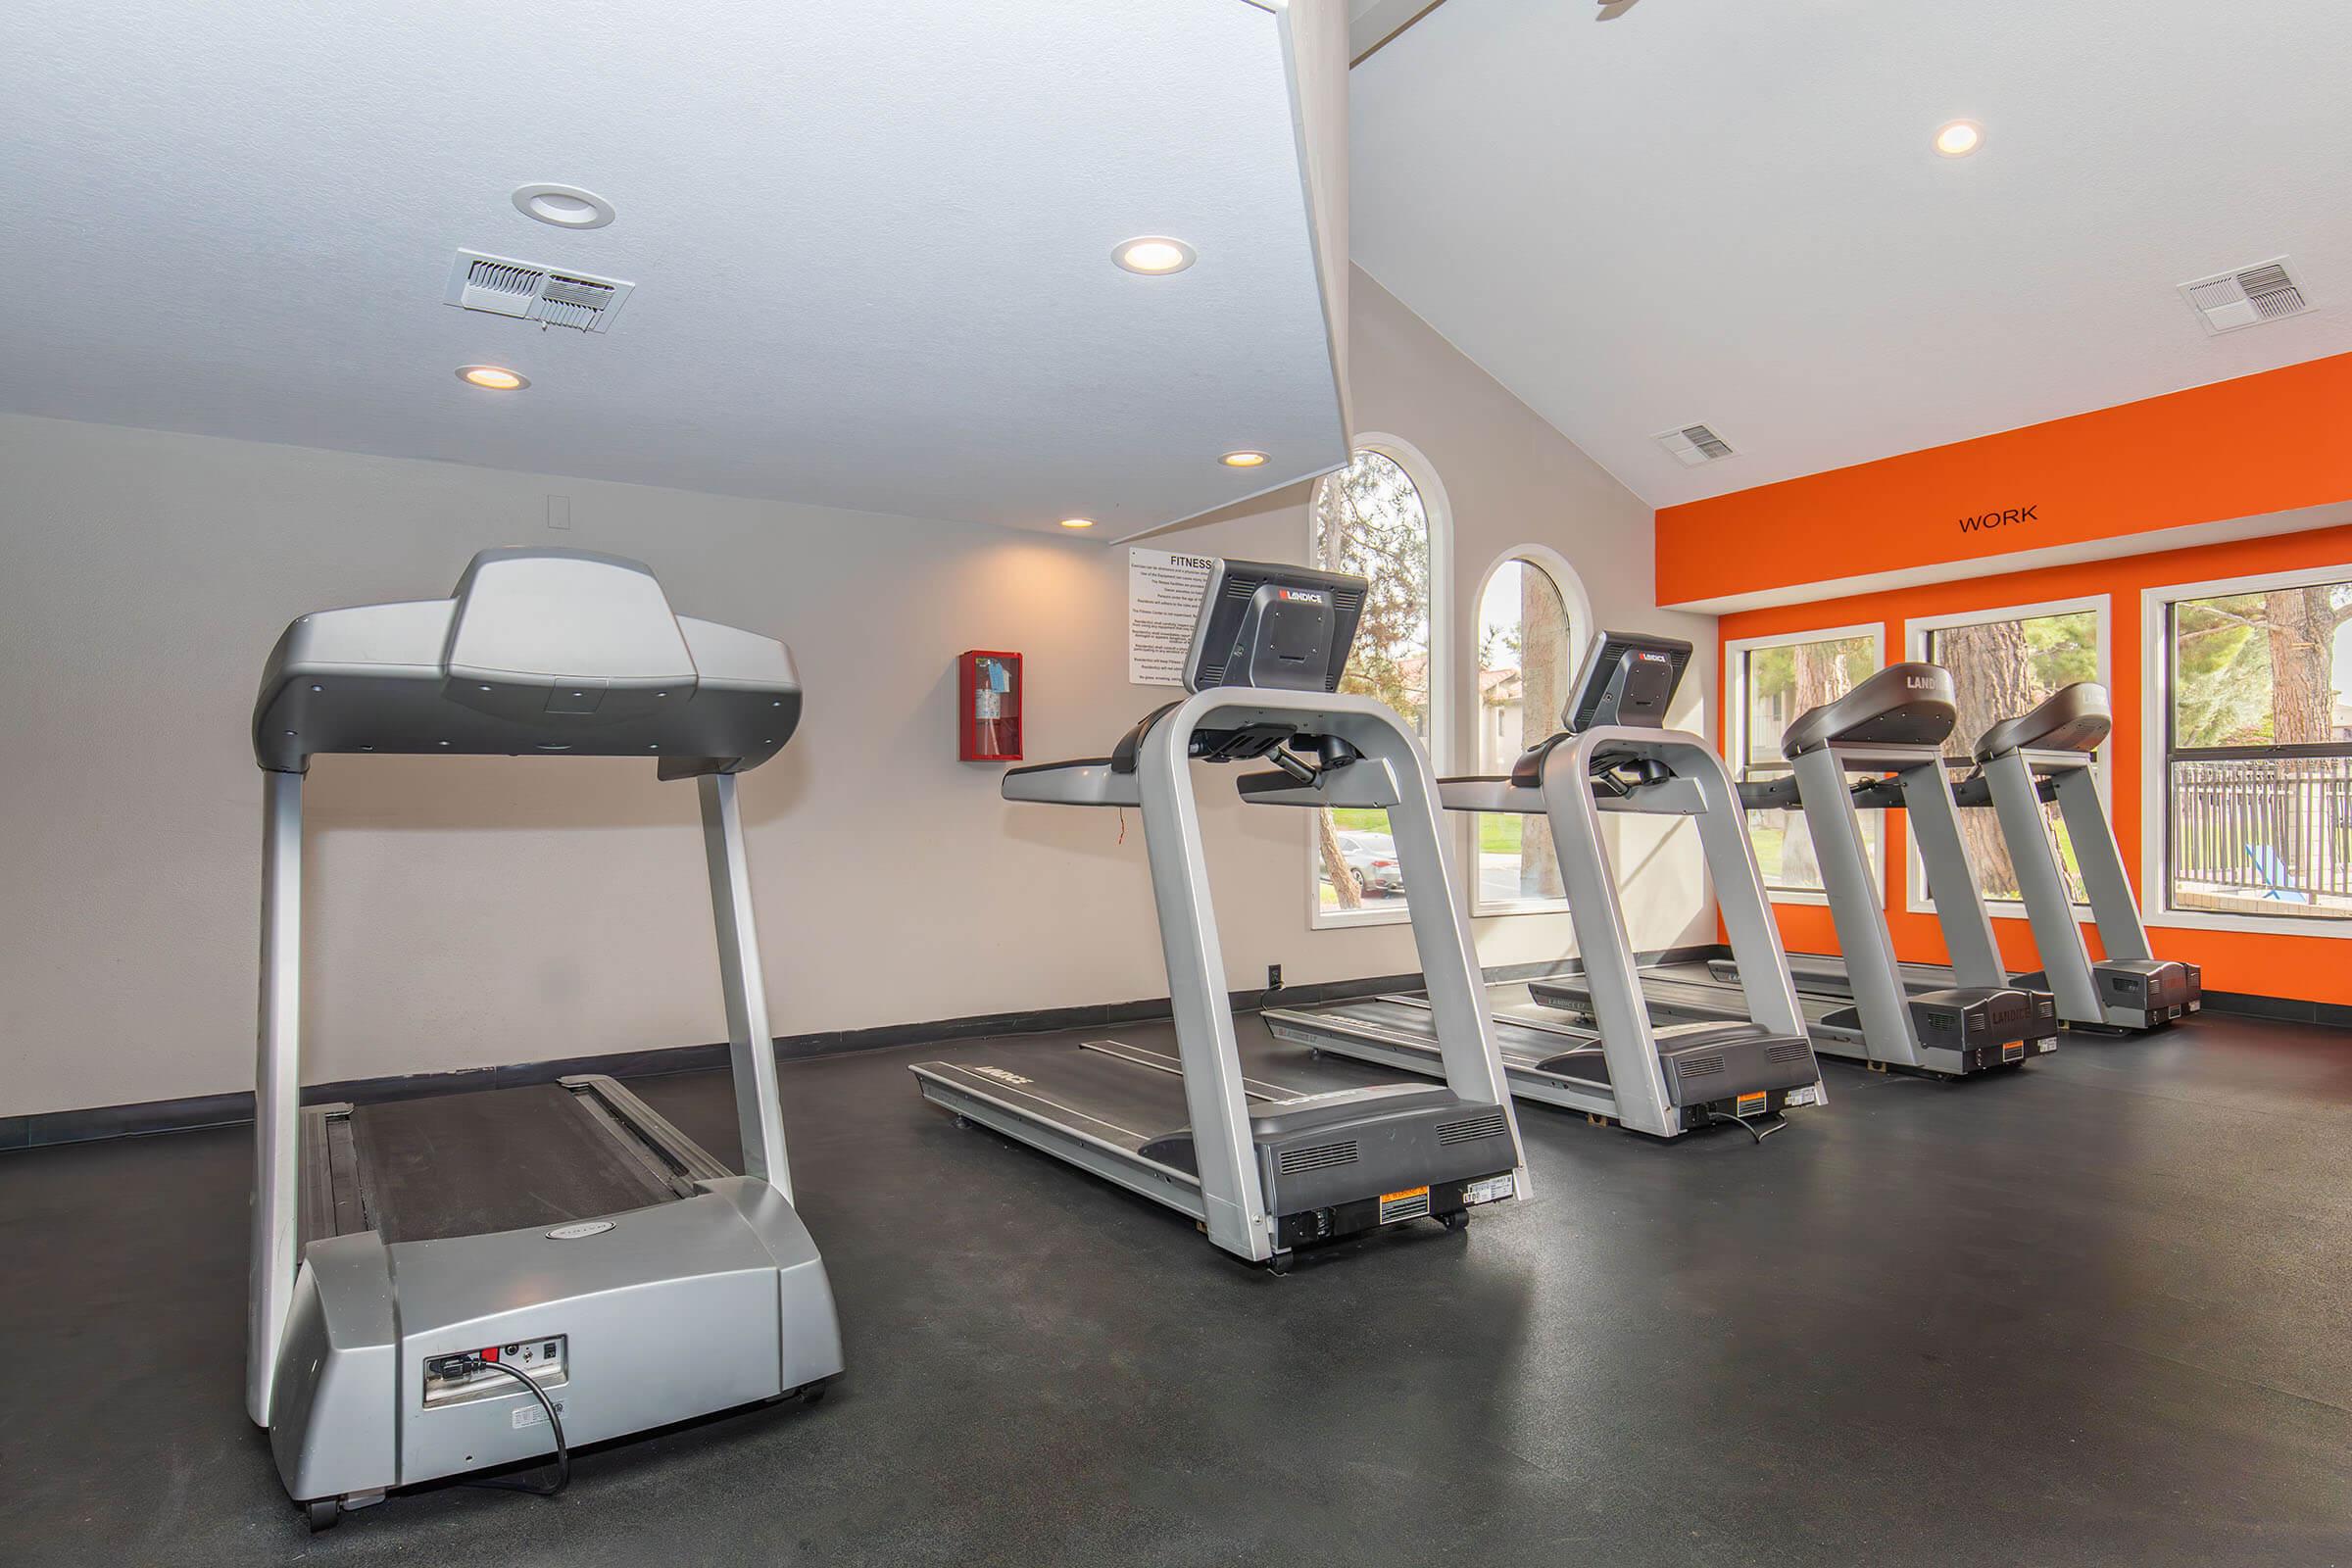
(1728, 212)
(872, 244)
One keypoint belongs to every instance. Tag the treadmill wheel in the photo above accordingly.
(814, 1393)
(322, 1513)
(1457, 1221)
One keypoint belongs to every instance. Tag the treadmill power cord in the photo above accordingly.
(554, 1423)
(1749, 1125)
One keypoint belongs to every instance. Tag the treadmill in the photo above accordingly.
(452, 1282)
(1264, 1167)
(2050, 755)
(1663, 1079)
(1890, 730)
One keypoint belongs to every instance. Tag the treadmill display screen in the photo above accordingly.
(1628, 678)
(1273, 626)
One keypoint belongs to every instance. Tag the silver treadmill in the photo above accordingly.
(2051, 755)
(1890, 730)
(1264, 1167)
(1664, 1079)
(452, 1282)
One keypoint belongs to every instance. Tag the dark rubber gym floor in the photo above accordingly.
(2099, 1312)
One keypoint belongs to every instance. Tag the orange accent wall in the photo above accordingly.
(2307, 968)
(2260, 444)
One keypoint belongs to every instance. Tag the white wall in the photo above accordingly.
(465, 913)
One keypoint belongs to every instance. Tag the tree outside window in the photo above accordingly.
(2259, 752)
(1779, 682)
(1370, 520)
(1526, 655)
(2001, 668)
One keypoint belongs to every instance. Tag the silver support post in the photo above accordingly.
(2114, 908)
(2042, 885)
(1620, 1010)
(1739, 882)
(1450, 970)
(1232, 1197)
(752, 1043)
(1855, 908)
(277, 1091)
(1952, 876)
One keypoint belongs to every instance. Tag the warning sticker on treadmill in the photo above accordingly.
(1411, 1204)
(1749, 1104)
(1163, 600)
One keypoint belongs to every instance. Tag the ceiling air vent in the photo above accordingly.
(2246, 297)
(1695, 444)
(526, 290)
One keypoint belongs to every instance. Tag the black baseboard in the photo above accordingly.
(228, 1110)
(2246, 1004)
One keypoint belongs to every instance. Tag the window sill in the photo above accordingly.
(1484, 911)
(2005, 910)
(2268, 925)
(1342, 920)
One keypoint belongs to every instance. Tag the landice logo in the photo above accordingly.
(2000, 519)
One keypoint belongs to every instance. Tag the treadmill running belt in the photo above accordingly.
(493, 1159)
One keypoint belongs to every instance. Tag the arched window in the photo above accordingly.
(1382, 518)
(1531, 620)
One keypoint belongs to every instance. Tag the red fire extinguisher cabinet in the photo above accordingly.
(988, 701)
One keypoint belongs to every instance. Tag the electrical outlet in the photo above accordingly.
(1273, 977)
(559, 512)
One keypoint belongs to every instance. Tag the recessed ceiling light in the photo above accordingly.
(1244, 459)
(563, 206)
(1077, 522)
(1154, 254)
(493, 377)
(1959, 138)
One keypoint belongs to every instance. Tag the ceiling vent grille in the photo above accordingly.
(2247, 297)
(531, 293)
(1695, 444)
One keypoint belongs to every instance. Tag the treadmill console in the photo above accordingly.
(1628, 679)
(1274, 627)
(2073, 718)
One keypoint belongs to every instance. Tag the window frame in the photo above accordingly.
(1439, 510)
(1735, 730)
(1579, 604)
(2156, 747)
(1917, 633)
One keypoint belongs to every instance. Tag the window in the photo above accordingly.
(1527, 642)
(2003, 663)
(1774, 681)
(2257, 749)
(1382, 518)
